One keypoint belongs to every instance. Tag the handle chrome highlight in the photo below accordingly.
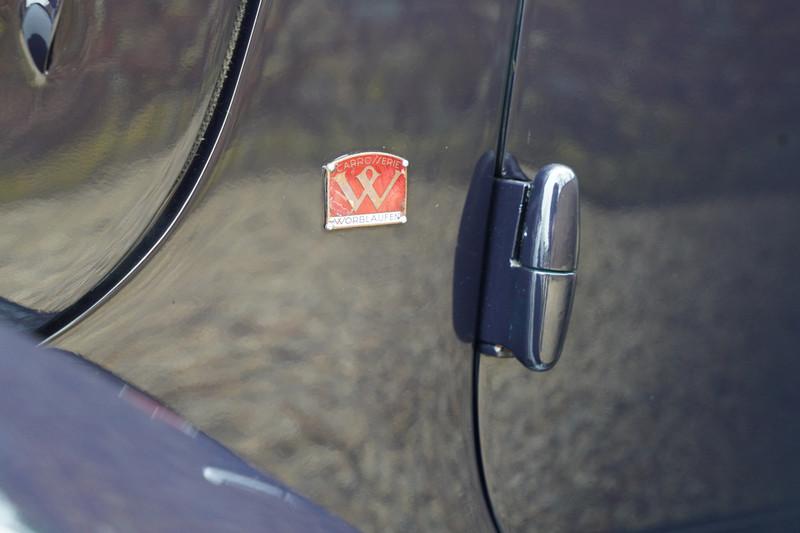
(39, 22)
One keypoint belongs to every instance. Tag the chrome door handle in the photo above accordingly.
(529, 252)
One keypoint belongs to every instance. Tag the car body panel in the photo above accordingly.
(676, 396)
(88, 452)
(329, 358)
(91, 151)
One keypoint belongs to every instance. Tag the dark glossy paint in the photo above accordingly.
(181, 196)
(329, 359)
(676, 397)
(83, 451)
(91, 151)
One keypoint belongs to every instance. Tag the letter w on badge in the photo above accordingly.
(367, 179)
(353, 179)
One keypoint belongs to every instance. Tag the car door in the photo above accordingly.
(328, 358)
(674, 404)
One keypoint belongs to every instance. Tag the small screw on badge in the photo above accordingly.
(365, 189)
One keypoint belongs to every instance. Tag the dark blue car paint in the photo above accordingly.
(675, 402)
(80, 451)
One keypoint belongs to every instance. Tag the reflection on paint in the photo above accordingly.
(10, 521)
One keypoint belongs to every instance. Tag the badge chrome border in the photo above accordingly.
(328, 168)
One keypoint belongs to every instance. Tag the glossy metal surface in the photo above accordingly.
(676, 397)
(90, 152)
(38, 28)
(87, 452)
(551, 228)
(524, 305)
(329, 358)
(551, 305)
(196, 171)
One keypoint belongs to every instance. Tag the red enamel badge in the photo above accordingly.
(366, 189)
